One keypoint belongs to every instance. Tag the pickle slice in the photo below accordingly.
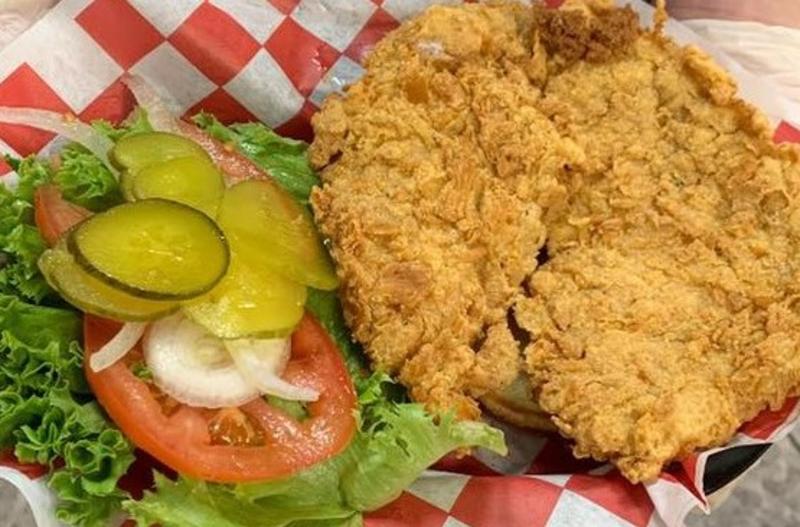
(267, 228)
(91, 295)
(154, 248)
(193, 181)
(138, 151)
(162, 165)
(249, 302)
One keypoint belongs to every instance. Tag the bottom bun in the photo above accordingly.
(517, 405)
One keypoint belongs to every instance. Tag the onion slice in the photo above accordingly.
(158, 113)
(261, 361)
(63, 125)
(193, 366)
(116, 348)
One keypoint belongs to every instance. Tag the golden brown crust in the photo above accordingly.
(429, 198)
(570, 35)
(430, 236)
(667, 315)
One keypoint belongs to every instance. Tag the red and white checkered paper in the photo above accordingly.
(275, 61)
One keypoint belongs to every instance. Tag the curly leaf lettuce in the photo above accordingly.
(396, 442)
(48, 417)
(136, 123)
(21, 248)
(83, 180)
(20, 243)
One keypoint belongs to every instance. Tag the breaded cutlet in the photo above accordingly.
(667, 313)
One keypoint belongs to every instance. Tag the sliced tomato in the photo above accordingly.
(255, 442)
(8, 459)
(53, 214)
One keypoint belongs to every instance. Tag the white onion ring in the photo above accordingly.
(192, 366)
(261, 361)
(117, 347)
(63, 125)
(158, 113)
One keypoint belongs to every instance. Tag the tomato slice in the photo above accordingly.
(259, 442)
(8, 459)
(53, 214)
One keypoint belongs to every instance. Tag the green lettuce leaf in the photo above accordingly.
(327, 308)
(85, 180)
(283, 158)
(79, 507)
(20, 243)
(21, 248)
(47, 414)
(136, 123)
(32, 173)
(395, 443)
(81, 176)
